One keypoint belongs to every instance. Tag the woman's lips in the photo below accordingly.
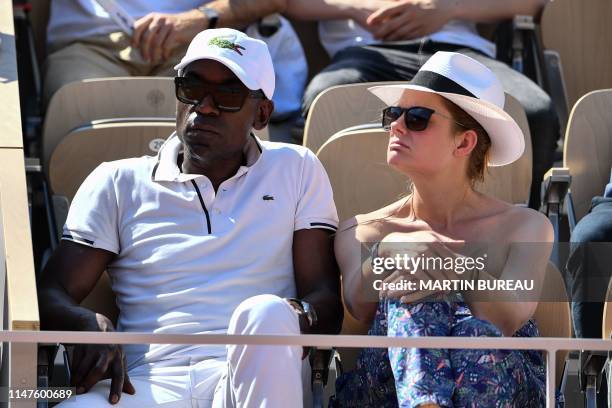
(397, 145)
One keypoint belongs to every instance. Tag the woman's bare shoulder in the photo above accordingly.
(528, 225)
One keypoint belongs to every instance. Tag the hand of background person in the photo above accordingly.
(409, 19)
(157, 35)
(362, 10)
(420, 244)
(94, 362)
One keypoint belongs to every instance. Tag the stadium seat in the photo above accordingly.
(83, 148)
(567, 194)
(82, 102)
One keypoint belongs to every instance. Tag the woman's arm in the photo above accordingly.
(530, 249)
(348, 250)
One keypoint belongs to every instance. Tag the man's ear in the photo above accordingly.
(263, 114)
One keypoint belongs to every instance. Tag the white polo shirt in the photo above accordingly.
(187, 256)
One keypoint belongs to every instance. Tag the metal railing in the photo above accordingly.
(548, 345)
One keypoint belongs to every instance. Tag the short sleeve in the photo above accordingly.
(93, 215)
(316, 208)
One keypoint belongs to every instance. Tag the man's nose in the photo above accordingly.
(207, 106)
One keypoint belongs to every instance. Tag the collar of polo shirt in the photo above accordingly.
(167, 169)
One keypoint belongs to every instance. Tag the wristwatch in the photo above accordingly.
(306, 309)
(211, 15)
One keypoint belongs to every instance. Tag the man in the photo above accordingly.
(218, 233)
(389, 40)
(85, 42)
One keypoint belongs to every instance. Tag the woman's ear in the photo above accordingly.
(465, 143)
(263, 114)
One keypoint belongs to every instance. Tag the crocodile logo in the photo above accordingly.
(222, 43)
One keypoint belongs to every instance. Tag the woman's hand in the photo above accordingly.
(419, 257)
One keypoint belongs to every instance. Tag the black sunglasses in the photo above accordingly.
(227, 98)
(416, 118)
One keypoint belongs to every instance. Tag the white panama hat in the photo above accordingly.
(476, 90)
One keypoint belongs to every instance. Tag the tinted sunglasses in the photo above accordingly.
(416, 118)
(227, 98)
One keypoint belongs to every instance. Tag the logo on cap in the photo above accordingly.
(222, 43)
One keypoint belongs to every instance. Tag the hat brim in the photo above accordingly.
(507, 139)
(235, 68)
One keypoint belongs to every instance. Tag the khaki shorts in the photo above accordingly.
(101, 56)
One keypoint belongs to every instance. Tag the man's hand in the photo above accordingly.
(157, 35)
(409, 19)
(94, 362)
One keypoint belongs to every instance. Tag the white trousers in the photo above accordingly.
(251, 376)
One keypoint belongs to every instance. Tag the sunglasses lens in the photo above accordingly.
(417, 119)
(225, 98)
(229, 98)
(188, 91)
(390, 115)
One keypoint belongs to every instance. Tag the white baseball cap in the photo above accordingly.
(476, 90)
(248, 58)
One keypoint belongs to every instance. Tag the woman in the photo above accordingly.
(446, 126)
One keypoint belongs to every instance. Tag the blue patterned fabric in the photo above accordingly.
(401, 377)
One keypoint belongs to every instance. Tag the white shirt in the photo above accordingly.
(187, 256)
(337, 35)
(70, 20)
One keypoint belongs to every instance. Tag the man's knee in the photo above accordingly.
(264, 314)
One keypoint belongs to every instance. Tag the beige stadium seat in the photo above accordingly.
(84, 148)
(588, 148)
(340, 107)
(79, 103)
(553, 313)
(606, 329)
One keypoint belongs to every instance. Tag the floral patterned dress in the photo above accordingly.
(401, 377)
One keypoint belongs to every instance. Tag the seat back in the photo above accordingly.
(553, 313)
(340, 107)
(606, 329)
(84, 148)
(588, 148)
(82, 102)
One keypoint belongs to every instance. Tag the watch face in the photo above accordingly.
(211, 15)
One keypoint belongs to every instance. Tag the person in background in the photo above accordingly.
(85, 42)
(389, 40)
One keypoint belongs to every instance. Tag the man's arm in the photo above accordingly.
(159, 34)
(317, 279)
(408, 19)
(70, 275)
